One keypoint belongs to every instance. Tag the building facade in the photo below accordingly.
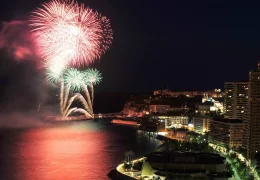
(253, 120)
(236, 99)
(201, 124)
(226, 132)
(177, 121)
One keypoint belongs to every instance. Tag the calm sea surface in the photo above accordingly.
(75, 151)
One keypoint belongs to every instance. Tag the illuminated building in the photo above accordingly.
(214, 106)
(185, 165)
(208, 107)
(216, 93)
(236, 99)
(175, 120)
(226, 132)
(161, 92)
(159, 108)
(201, 124)
(198, 124)
(253, 120)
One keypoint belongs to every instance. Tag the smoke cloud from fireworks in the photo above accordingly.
(23, 88)
(16, 39)
(23, 85)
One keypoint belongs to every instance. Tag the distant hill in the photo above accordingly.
(109, 102)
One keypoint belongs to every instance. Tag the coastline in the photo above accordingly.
(128, 175)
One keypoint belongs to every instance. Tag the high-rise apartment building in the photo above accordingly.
(253, 120)
(226, 132)
(236, 99)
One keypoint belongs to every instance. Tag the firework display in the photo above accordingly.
(74, 79)
(94, 77)
(68, 34)
(71, 32)
(68, 110)
(54, 71)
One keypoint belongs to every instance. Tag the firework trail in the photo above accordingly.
(73, 79)
(94, 77)
(80, 110)
(76, 81)
(84, 103)
(79, 97)
(69, 103)
(83, 111)
(71, 32)
(54, 73)
(86, 91)
(61, 95)
(92, 93)
(66, 96)
(70, 111)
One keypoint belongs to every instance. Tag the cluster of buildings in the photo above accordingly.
(214, 93)
(210, 101)
(240, 126)
(231, 118)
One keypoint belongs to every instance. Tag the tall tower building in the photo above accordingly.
(236, 99)
(253, 120)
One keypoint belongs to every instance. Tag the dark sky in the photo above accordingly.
(189, 45)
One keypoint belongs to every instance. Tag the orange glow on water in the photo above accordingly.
(85, 150)
(61, 154)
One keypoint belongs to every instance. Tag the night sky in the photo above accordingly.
(187, 45)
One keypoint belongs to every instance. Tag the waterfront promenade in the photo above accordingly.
(134, 174)
(131, 174)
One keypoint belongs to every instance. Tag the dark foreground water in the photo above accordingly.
(75, 151)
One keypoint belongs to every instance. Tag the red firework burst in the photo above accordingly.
(69, 31)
